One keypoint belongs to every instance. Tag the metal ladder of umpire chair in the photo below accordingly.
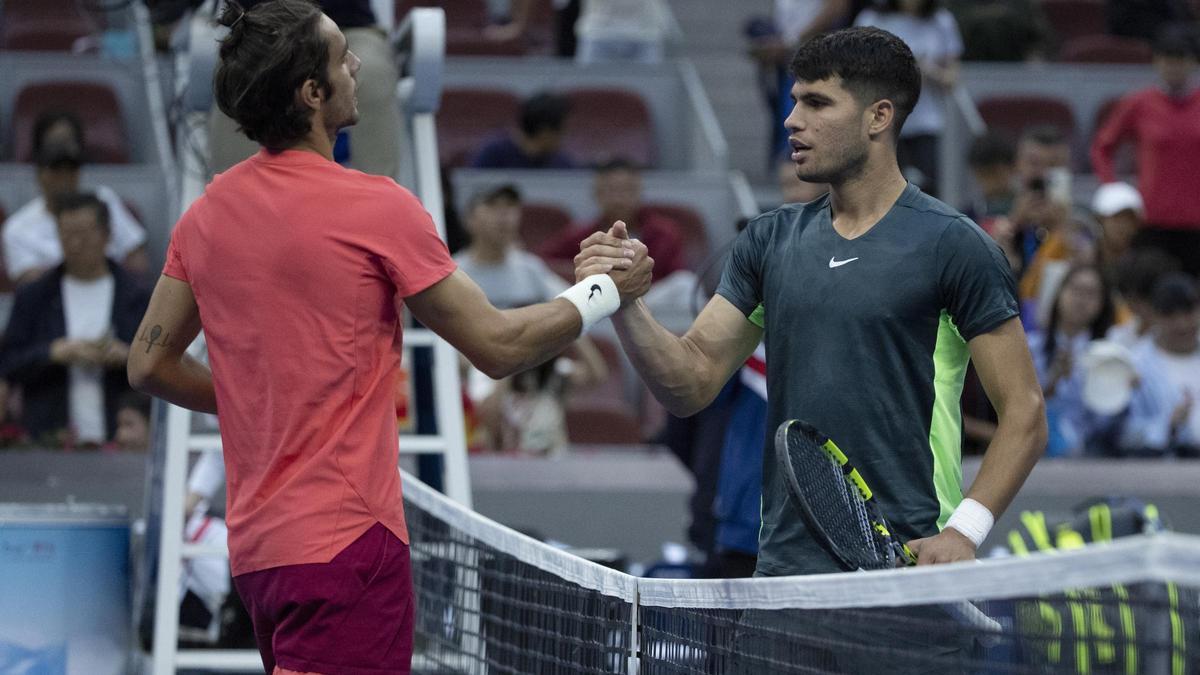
(421, 40)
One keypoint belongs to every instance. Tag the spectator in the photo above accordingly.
(537, 141)
(520, 17)
(618, 194)
(992, 160)
(133, 423)
(526, 412)
(373, 144)
(931, 32)
(1163, 123)
(1143, 19)
(1137, 272)
(1002, 30)
(772, 43)
(621, 30)
(1164, 413)
(1082, 311)
(1043, 195)
(1119, 211)
(31, 243)
(69, 336)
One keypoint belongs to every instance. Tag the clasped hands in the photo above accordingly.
(624, 259)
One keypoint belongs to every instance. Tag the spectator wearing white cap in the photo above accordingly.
(1120, 211)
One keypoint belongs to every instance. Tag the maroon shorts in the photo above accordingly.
(350, 616)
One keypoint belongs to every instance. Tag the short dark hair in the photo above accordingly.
(1044, 134)
(872, 63)
(135, 400)
(1176, 39)
(991, 149)
(1175, 293)
(1140, 269)
(74, 201)
(47, 120)
(544, 111)
(507, 193)
(271, 49)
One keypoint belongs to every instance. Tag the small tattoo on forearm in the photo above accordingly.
(150, 337)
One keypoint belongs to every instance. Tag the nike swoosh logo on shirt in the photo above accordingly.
(834, 262)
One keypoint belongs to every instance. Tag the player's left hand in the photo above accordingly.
(949, 545)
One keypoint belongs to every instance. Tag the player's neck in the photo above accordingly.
(317, 141)
(861, 201)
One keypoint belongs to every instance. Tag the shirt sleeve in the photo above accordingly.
(127, 233)
(952, 43)
(741, 282)
(412, 252)
(175, 266)
(1120, 127)
(18, 256)
(976, 284)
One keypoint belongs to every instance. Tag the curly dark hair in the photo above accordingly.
(872, 63)
(268, 54)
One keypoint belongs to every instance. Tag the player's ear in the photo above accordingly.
(310, 94)
(880, 116)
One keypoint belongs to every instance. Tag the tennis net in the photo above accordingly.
(492, 600)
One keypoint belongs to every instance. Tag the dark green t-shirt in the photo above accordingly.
(867, 341)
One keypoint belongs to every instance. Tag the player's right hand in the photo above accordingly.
(603, 252)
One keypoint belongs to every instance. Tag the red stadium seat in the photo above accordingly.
(605, 124)
(541, 222)
(460, 14)
(603, 425)
(95, 104)
(1010, 115)
(465, 20)
(44, 24)
(468, 118)
(691, 226)
(1105, 49)
(1076, 18)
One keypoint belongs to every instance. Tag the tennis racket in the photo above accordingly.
(842, 513)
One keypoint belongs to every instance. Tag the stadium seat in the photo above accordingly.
(605, 124)
(602, 425)
(540, 222)
(1076, 18)
(465, 20)
(467, 118)
(1105, 49)
(95, 104)
(44, 25)
(1010, 115)
(691, 225)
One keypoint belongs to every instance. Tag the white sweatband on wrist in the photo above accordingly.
(595, 297)
(973, 520)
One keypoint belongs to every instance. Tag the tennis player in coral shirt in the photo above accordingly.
(297, 270)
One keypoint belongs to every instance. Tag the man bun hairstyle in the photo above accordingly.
(268, 54)
(873, 65)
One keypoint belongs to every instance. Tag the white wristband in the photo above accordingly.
(973, 520)
(595, 297)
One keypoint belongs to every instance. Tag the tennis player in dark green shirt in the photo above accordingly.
(875, 297)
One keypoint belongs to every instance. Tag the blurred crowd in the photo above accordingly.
(1107, 283)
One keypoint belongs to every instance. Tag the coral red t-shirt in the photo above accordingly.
(299, 268)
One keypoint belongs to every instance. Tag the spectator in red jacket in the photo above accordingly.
(1164, 124)
(618, 194)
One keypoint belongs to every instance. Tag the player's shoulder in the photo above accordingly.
(789, 215)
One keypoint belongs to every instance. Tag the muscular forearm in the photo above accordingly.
(673, 368)
(186, 383)
(1018, 444)
(519, 339)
